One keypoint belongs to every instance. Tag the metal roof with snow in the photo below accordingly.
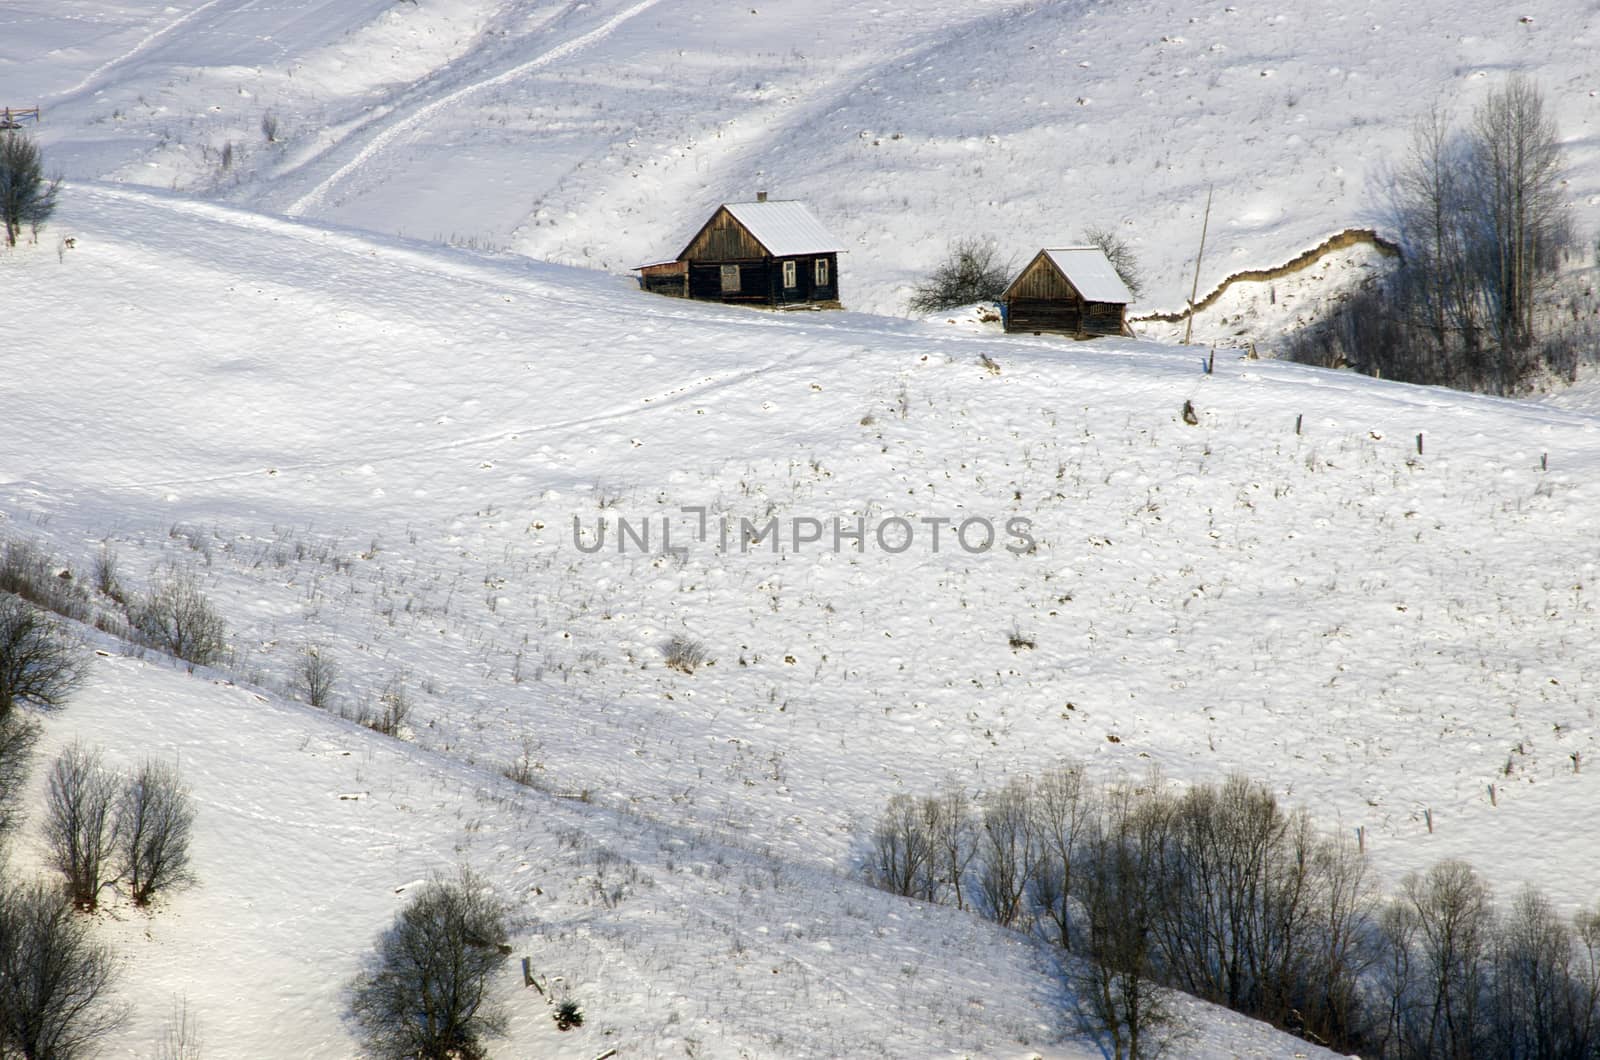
(1091, 272)
(785, 227)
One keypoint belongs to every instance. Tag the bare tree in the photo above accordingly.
(177, 618)
(26, 197)
(1454, 931)
(971, 272)
(80, 823)
(1120, 998)
(1063, 807)
(903, 849)
(18, 735)
(425, 995)
(1544, 1002)
(1481, 221)
(954, 839)
(1519, 176)
(39, 663)
(315, 675)
(1332, 1005)
(54, 978)
(155, 820)
(1006, 850)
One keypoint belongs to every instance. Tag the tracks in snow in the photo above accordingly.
(427, 111)
(138, 49)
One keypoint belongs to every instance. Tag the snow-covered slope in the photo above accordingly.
(258, 363)
(382, 448)
(603, 133)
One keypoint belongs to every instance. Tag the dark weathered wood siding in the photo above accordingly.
(761, 281)
(1041, 299)
(724, 242)
(723, 239)
(668, 277)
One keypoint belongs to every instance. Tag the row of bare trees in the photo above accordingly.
(1481, 219)
(1221, 893)
(99, 829)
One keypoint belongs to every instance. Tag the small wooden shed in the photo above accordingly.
(1072, 291)
(767, 253)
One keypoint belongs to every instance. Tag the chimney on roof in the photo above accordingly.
(761, 196)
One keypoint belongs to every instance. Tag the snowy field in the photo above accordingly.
(275, 376)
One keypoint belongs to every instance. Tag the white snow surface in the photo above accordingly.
(784, 228)
(273, 374)
(1090, 272)
(599, 133)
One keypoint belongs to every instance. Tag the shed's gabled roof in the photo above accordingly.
(1089, 271)
(784, 227)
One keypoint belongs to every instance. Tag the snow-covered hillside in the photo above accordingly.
(382, 449)
(602, 134)
(1375, 599)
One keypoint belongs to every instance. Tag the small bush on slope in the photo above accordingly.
(177, 618)
(39, 663)
(971, 272)
(425, 994)
(54, 977)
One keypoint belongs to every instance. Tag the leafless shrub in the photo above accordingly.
(39, 662)
(30, 573)
(526, 767)
(269, 126)
(80, 823)
(395, 706)
(426, 991)
(684, 654)
(155, 820)
(107, 576)
(54, 978)
(315, 674)
(177, 618)
(904, 850)
(18, 736)
(1005, 852)
(1121, 1001)
(181, 1039)
(970, 272)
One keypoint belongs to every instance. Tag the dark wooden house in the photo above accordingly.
(1073, 291)
(759, 253)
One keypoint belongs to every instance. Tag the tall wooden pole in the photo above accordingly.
(1188, 328)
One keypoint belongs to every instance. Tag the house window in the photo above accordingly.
(790, 275)
(822, 272)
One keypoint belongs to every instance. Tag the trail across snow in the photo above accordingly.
(429, 111)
